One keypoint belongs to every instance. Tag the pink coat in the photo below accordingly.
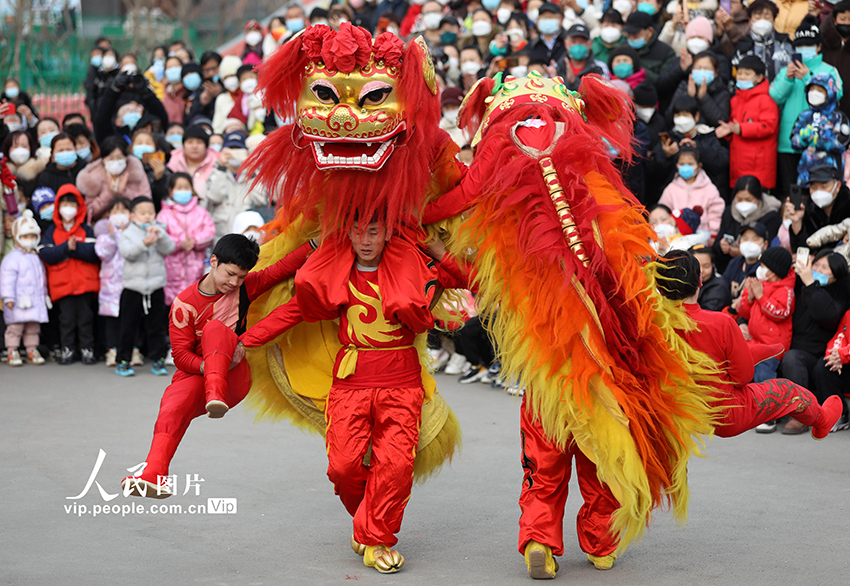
(184, 267)
(98, 188)
(703, 193)
(177, 163)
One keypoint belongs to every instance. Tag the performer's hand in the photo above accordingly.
(238, 355)
(436, 249)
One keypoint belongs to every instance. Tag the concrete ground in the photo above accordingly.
(764, 509)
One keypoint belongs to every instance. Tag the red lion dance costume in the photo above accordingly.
(565, 288)
(365, 144)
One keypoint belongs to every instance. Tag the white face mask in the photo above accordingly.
(623, 7)
(610, 34)
(115, 167)
(750, 250)
(19, 155)
(253, 38)
(28, 244)
(697, 45)
(108, 63)
(816, 98)
(822, 198)
(68, 213)
(231, 83)
(431, 20)
(454, 65)
(745, 208)
(683, 124)
(533, 14)
(519, 71)
(481, 28)
(451, 116)
(761, 273)
(470, 67)
(515, 34)
(248, 86)
(503, 15)
(645, 114)
(119, 220)
(665, 230)
(762, 27)
(130, 69)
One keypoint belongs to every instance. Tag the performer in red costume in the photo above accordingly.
(745, 405)
(381, 290)
(211, 376)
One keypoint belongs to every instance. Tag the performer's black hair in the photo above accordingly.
(238, 250)
(678, 275)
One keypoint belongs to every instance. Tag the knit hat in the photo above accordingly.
(196, 131)
(752, 62)
(624, 49)
(700, 27)
(808, 32)
(229, 65)
(778, 260)
(687, 220)
(191, 67)
(245, 220)
(41, 197)
(646, 95)
(24, 225)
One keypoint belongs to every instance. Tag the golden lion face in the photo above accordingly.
(351, 120)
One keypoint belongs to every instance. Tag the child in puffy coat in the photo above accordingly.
(191, 228)
(23, 288)
(821, 132)
(107, 231)
(767, 304)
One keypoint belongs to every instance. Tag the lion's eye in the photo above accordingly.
(375, 97)
(325, 93)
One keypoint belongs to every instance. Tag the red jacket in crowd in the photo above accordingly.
(769, 316)
(753, 152)
(840, 340)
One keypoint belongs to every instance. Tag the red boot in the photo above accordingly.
(830, 412)
(216, 367)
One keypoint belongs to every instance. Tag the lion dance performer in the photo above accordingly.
(565, 287)
(364, 151)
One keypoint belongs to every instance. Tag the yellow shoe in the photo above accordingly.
(538, 558)
(602, 563)
(358, 548)
(382, 558)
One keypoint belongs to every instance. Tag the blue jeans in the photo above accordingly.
(766, 370)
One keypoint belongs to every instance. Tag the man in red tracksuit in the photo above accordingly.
(380, 289)
(211, 376)
(745, 405)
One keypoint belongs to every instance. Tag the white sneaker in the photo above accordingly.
(456, 364)
(169, 359)
(766, 427)
(111, 357)
(137, 359)
(473, 375)
(515, 391)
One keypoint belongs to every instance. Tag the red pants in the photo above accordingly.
(375, 495)
(544, 494)
(187, 395)
(756, 403)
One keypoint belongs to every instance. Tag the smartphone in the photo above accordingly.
(501, 63)
(795, 194)
(158, 155)
(9, 109)
(802, 255)
(796, 57)
(729, 238)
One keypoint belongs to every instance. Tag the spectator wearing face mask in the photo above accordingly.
(821, 131)
(550, 45)
(752, 241)
(482, 32)
(655, 55)
(128, 98)
(691, 188)
(771, 47)
(580, 60)
(835, 30)
(42, 203)
(829, 203)
(450, 32)
(13, 93)
(151, 152)
(155, 74)
(173, 91)
(45, 131)
(428, 22)
(450, 101)
(506, 45)
(610, 34)
(240, 103)
(195, 158)
(107, 231)
(707, 87)
(646, 102)
(19, 152)
(64, 165)
(470, 66)
(788, 90)
(625, 64)
(114, 175)
(749, 204)
(102, 78)
(714, 294)
(252, 54)
(229, 192)
(87, 147)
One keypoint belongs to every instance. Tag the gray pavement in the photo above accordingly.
(764, 509)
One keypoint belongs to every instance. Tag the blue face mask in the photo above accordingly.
(158, 70)
(66, 159)
(131, 119)
(687, 171)
(46, 212)
(703, 75)
(216, 147)
(491, 5)
(820, 278)
(192, 81)
(646, 8)
(636, 43)
(294, 25)
(172, 74)
(84, 154)
(140, 149)
(175, 140)
(46, 139)
(216, 78)
(623, 70)
(548, 26)
(579, 52)
(96, 60)
(744, 85)
(182, 197)
(807, 53)
(13, 92)
(583, 4)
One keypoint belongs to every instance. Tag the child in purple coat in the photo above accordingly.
(23, 288)
(107, 230)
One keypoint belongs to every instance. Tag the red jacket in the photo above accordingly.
(753, 152)
(769, 316)
(840, 340)
(70, 272)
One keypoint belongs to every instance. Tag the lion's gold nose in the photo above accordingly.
(342, 118)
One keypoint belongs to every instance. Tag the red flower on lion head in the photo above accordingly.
(350, 47)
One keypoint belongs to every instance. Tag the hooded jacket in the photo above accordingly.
(753, 152)
(818, 131)
(790, 95)
(23, 281)
(769, 316)
(96, 185)
(70, 272)
(202, 173)
(702, 192)
(144, 266)
(228, 195)
(184, 267)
